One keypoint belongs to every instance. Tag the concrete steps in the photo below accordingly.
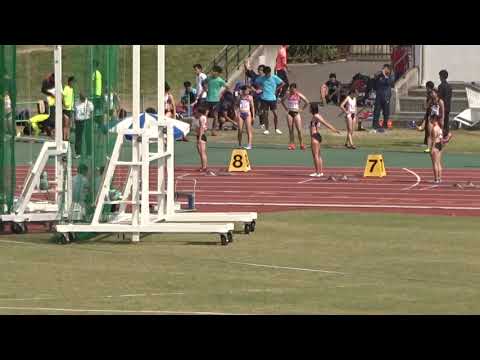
(416, 103)
(420, 92)
(404, 118)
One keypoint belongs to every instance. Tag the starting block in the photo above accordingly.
(375, 166)
(239, 161)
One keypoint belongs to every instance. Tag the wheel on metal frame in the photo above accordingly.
(2, 226)
(247, 229)
(223, 239)
(64, 238)
(252, 225)
(19, 228)
(72, 237)
(230, 237)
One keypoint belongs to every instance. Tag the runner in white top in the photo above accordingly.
(199, 78)
(349, 107)
(245, 114)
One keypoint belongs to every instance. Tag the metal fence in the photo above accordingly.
(231, 57)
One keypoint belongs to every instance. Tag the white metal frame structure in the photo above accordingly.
(167, 218)
(471, 116)
(25, 209)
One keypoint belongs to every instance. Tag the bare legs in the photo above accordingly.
(248, 123)
(436, 156)
(317, 159)
(350, 126)
(202, 151)
(297, 121)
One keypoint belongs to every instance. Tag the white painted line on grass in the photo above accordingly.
(416, 175)
(113, 311)
(374, 206)
(287, 268)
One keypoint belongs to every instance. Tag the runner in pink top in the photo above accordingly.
(281, 69)
(293, 99)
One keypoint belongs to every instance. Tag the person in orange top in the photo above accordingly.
(281, 69)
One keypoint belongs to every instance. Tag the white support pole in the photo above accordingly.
(135, 142)
(170, 171)
(161, 141)
(57, 55)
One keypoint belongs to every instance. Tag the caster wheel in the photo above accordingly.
(223, 239)
(2, 227)
(247, 229)
(252, 226)
(72, 237)
(230, 237)
(19, 228)
(64, 239)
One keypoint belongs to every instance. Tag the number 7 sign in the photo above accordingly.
(375, 166)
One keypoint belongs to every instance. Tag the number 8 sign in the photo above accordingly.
(239, 161)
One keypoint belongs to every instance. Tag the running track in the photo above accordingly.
(280, 188)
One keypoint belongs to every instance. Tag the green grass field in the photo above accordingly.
(33, 66)
(316, 265)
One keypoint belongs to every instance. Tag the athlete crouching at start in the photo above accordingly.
(317, 119)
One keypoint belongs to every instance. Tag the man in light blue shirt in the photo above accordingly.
(269, 84)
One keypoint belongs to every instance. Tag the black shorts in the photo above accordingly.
(203, 138)
(438, 146)
(269, 105)
(212, 107)
(317, 137)
(293, 113)
(67, 113)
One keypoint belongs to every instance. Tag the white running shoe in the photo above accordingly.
(262, 126)
(266, 132)
(313, 175)
(248, 147)
(278, 131)
(320, 175)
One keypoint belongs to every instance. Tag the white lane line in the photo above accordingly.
(429, 187)
(19, 242)
(182, 176)
(287, 268)
(416, 175)
(27, 299)
(305, 181)
(339, 205)
(113, 311)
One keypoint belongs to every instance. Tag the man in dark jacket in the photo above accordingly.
(383, 87)
(445, 92)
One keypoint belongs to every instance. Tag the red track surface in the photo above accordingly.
(280, 188)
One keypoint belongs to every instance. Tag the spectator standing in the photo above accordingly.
(200, 77)
(251, 77)
(83, 116)
(445, 92)
(269, 84)
(67, 107)
(424, 126)
(189, 97)
(383, 87)
(48, 89)
(281, 70)
(215, 84)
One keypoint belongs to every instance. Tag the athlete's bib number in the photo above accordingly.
(244, 106)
